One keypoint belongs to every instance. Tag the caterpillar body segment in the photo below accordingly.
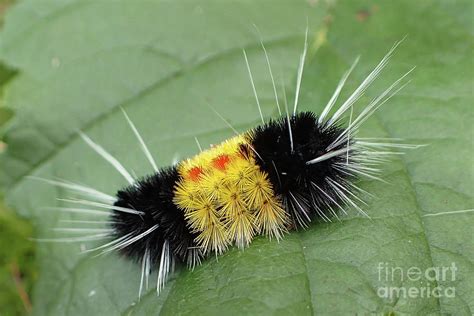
(226, 198)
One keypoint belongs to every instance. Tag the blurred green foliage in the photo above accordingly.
(17, 255)
(17, 263)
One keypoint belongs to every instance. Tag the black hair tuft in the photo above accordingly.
(153, 195)
(284, 158)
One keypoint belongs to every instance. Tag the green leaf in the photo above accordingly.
(17, 264)
(80, 61)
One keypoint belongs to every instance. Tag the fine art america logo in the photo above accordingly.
(416, 282)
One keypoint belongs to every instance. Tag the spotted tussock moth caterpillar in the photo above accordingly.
(274, 178)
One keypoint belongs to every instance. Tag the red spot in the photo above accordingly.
(195, 173)
(221, 161)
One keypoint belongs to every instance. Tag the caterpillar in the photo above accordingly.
(277, 177)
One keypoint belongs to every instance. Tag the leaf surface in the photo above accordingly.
(80, 61)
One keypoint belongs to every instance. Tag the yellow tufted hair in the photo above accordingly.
(226, 197)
